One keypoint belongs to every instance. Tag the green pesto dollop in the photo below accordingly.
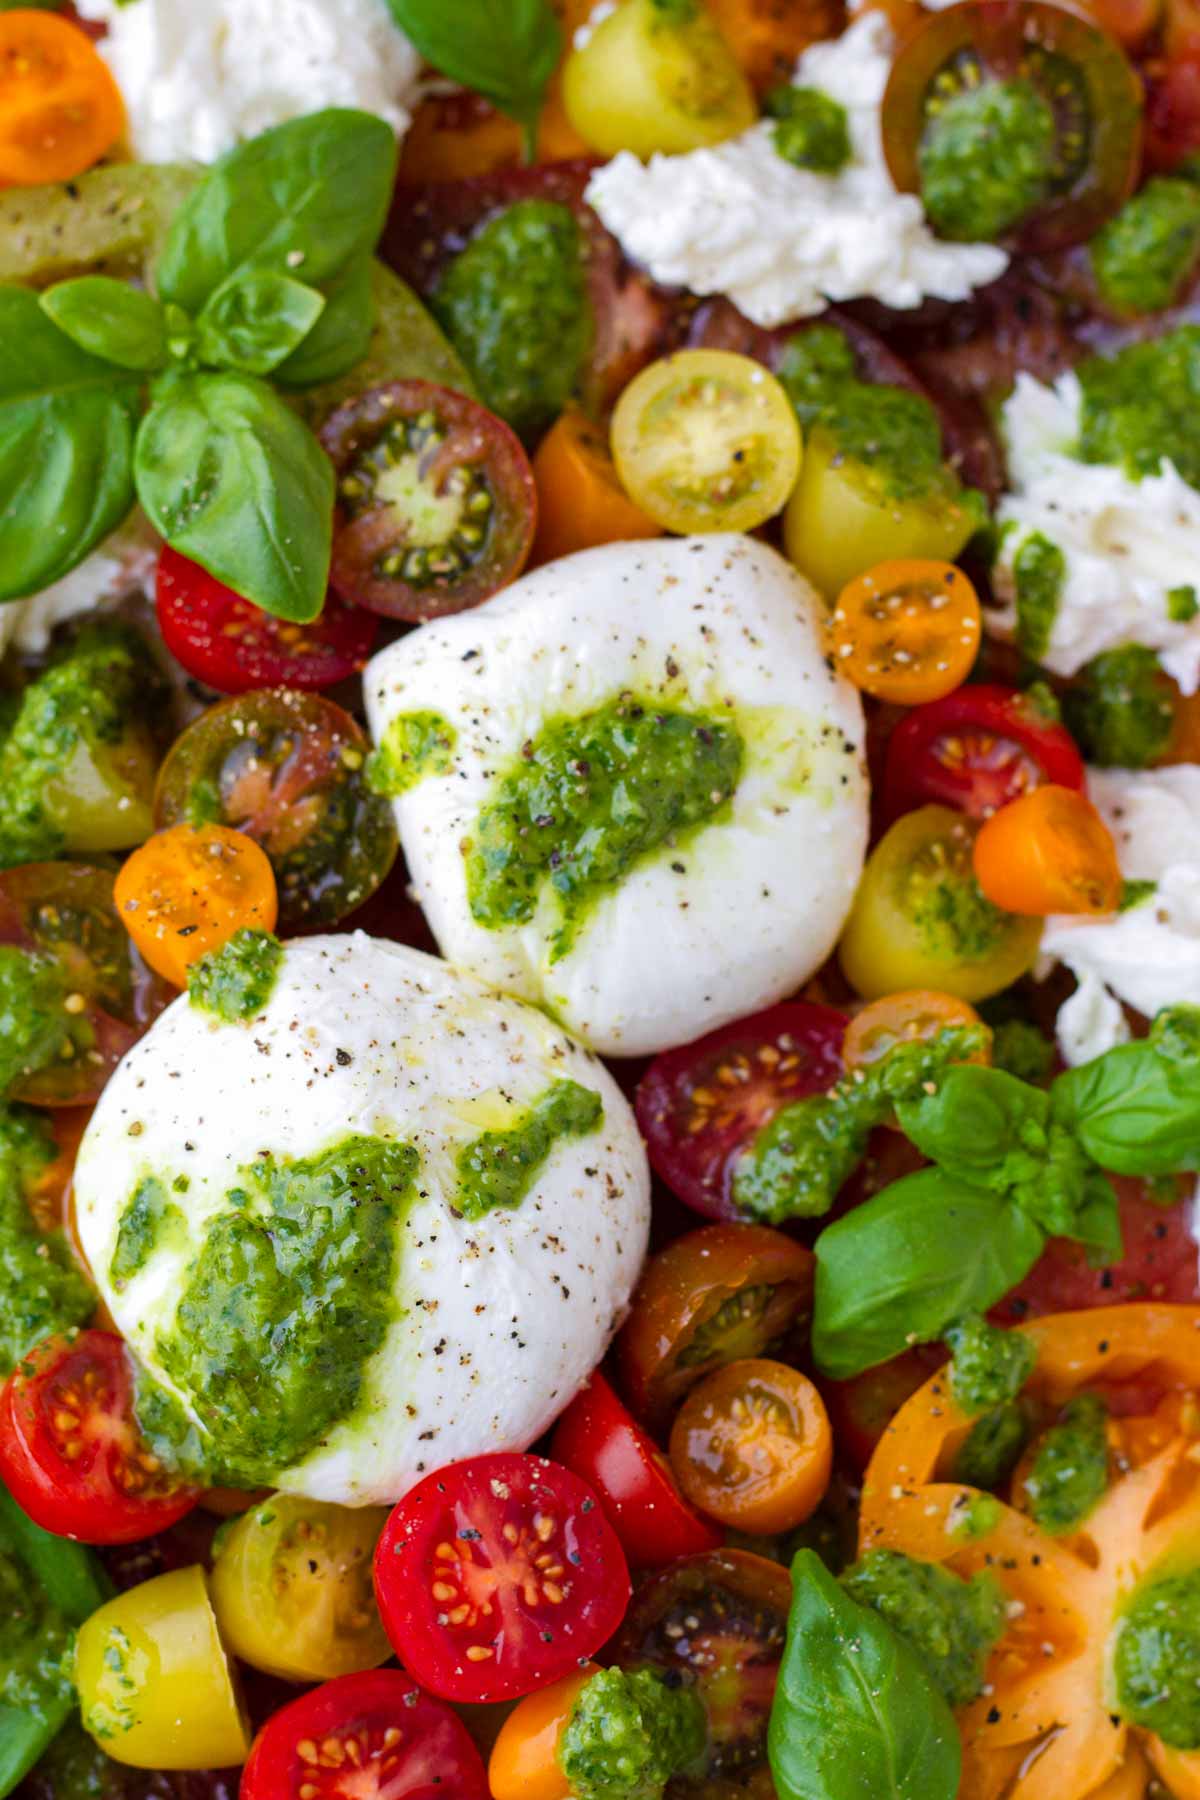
(988, 1366)
(629, 1734)
(36, 1644)
(1020, 1049)
(148, 1217)
(515, 306)
(1156, 1659)
(986, 159)
(287, 1301)
(1069, 1472)
(1183, 604)
(498, 1168)
(952, 916)
(41, 1289)
(977, 1517)
(1144, 255)
(588, 799)
(415, 745)
(33, 1025)
(1139, 406)
(236, 981)
(952, 1624)
(795, 1165)
(1135, 893)
(1119, 709)
(812, 130)
(78, 763)
(1039, 571)
(993, 1446)
(892, 436)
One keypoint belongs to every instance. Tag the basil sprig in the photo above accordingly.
(856, 1715)
(265, 271)
(505, 50)
(1016, 1166)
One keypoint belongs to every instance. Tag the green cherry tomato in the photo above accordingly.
(920, 920)
(292, 1589)
(155, 1686)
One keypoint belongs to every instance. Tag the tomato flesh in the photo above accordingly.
(699, 1106)
(976, 749)
(71, 1453)
(372, 1736)
(498, 1575)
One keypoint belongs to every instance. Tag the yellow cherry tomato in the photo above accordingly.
(292, 1589)
(907, 631)
(920, 919)
(706, 440)
(652, 78)
(843, 518)
(155, 1686)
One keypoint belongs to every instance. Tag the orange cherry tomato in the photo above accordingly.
(581, 502)
(906, 1018)
(714, 1296)
(752, 1446)
(185, 891)
(1183, 746)
(1048, 852)
(459, 137)
(524, 1761)
(907, 631)
(60, 109)
(766, 36)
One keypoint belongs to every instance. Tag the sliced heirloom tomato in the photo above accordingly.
(698, 1107)
(437, 504)
(1060, 62)
(499, 1575)
(232, 645)
(976, 749)
(719, 1621)
(906, 631)
(752, 1446)
(71, 1452)
(373, 1736)
(712, 1297)
(95, 995)
(288, 770)
(600, 1440)
(60, 108)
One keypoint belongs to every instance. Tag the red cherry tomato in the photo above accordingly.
(497, 1576)
(1080, 70)
(976, 750)
(71, 1453)
(1160, 1262)
(1173, 111)
(232, 645)
(364, 1737)
(861, 1409)
(603, 1443)
(700, 1105)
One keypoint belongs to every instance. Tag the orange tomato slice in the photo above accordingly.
(907, 631)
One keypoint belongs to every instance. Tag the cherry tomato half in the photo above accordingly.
(914, 1016)
(862, 1408)
(232, 645)
(373, 1736)
(698, 1106)
(720, 1621)
(499, 1575)
(602, 1442)
(70, 1450)
(60, 108)
(64, 914)
(710, 1298)
(976, 749)
(906, 631)
(1074, 66)
(1048, 852)
(437, 504)
(287, 769)
(752, 1446)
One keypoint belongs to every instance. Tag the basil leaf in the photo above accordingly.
(1098, 1223)
(66, 448)
(341, 336)
(254, 321)
(902, 1267)
(1135, 1110)
(231, 478)
(505, 50)
(303, 199)
(973, 1122)
(110, 319)
(856, 1714)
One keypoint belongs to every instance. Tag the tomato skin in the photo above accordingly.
(773, 1057)
(975, 750)
(526, 1516)
(685, 1287)
(1048, 852)
(434, 1755)
(861, 1408)
(906, 631)
(98, 1489)
(232, 645)
(753, 1447)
